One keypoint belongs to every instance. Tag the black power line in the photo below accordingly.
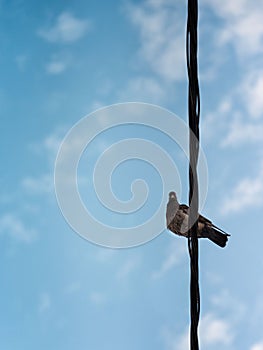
(193, 119)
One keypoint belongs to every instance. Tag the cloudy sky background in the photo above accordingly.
(61, 61)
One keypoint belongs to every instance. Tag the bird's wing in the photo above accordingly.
(184, 208)
(205, 221)
(219, 229)
(202, 220)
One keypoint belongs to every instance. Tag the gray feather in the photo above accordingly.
(177, 216)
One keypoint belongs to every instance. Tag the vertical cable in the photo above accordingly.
(193, 119)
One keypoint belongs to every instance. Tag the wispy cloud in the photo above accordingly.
(242, 26)
(43, 184)
(49, 145)
(21, 61)
(238, 117)
(143, 89)
(213, 331)
(129, 266)
(105, 255)
(47, 148)
(215, 122)
(97, 298)
(66, 29)
(257, 346)
(38, 185)
(44, 303)
(15, 228)
(242, 132)
(223, 301)
(73, 288)
(174, 256)
(56, 67)
(248, 192)
(161, 30)
(251, 91)
(175, 341)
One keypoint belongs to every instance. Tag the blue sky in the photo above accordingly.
(59, 62)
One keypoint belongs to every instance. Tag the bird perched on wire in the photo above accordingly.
(177, 216)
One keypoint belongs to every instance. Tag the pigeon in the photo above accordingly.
(177, 216)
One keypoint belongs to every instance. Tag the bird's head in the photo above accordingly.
(172, 195)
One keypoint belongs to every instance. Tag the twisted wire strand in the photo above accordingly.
(193, 119)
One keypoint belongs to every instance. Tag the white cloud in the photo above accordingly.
(21, 61)
(176, 253)
(56, 67)
(237, 117)
(215, 122)
(105, 255)
(251, 91)
(38, 185)
(49, 146)
(127, 268)
(257, 346)
(248, 192)
(175, 341)
(15, 228)
(226, 9)
(66, 29)
(245, 33)
(223, 301)
(241, 132)
(44, 303)
(212, 331)
(43, 183)
(162, 37)
(143, 89)
(52, 142)
(96, 105)
(97, 298)
(73, 288)
(47, 149)
(243, 25)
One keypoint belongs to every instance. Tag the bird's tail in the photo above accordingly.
(216, 236)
